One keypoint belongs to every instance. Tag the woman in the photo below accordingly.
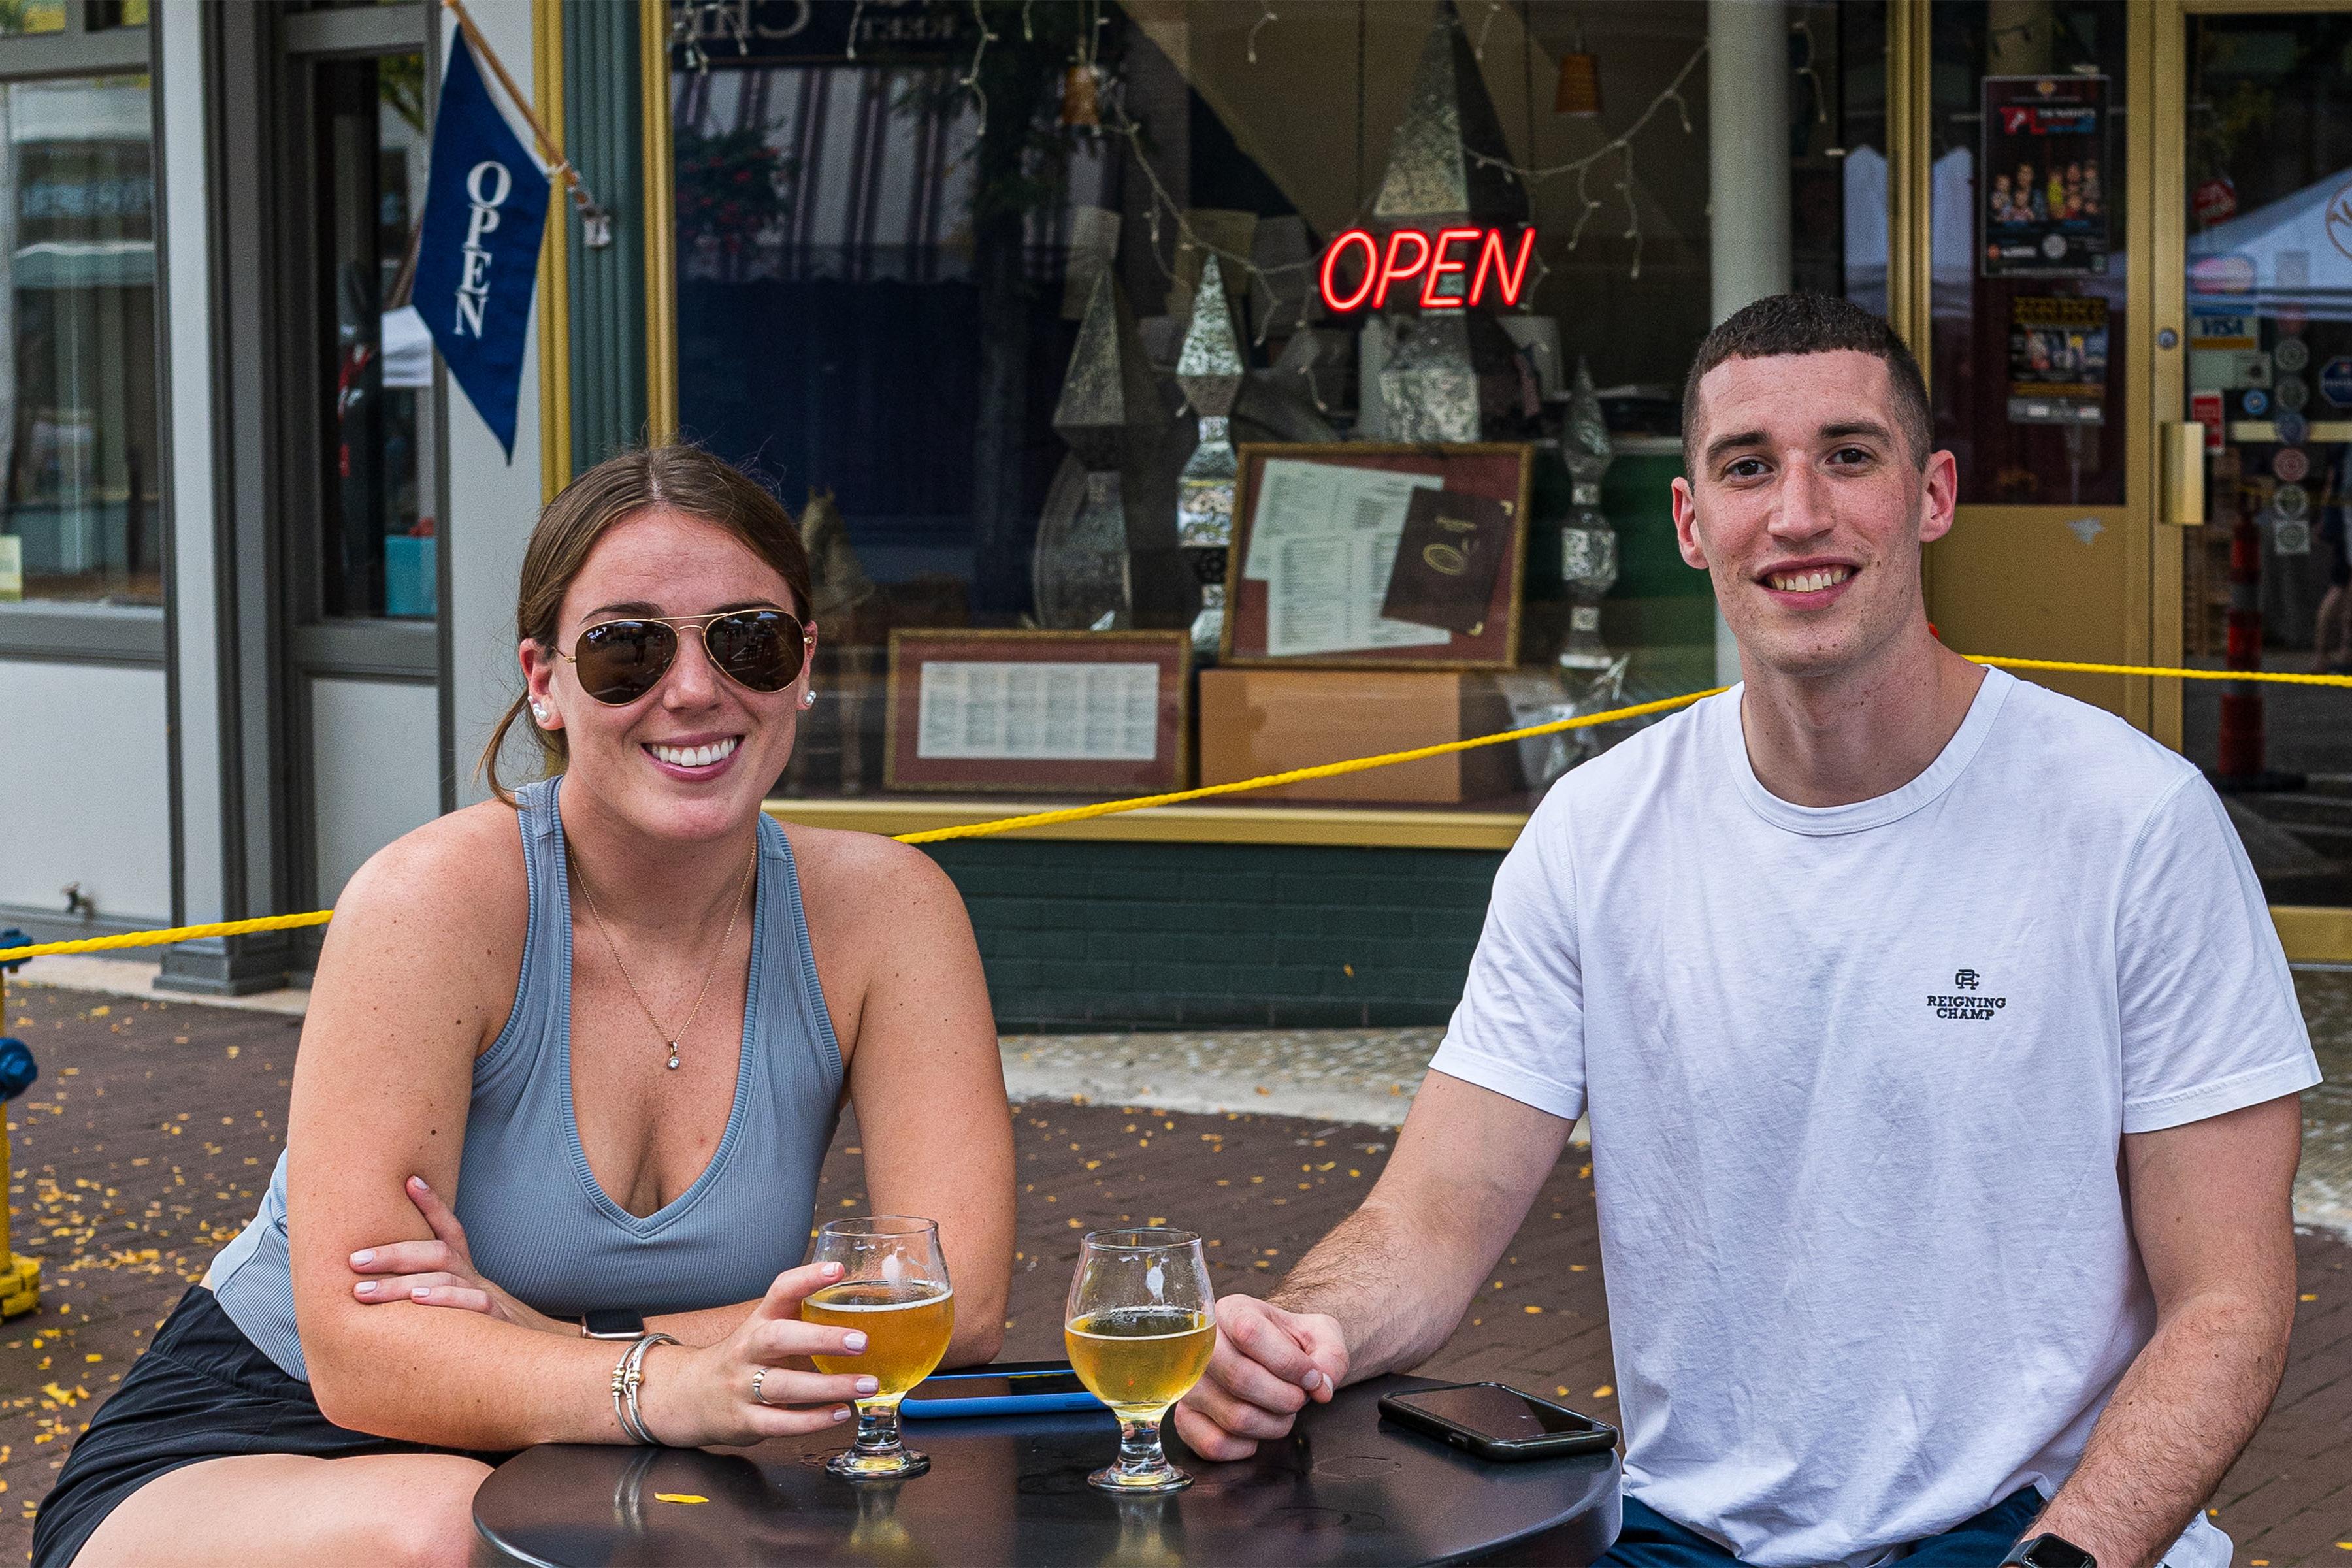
(628, 1117)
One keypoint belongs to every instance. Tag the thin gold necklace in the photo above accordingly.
(606, 933)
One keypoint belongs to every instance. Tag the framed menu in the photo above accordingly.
(1038, 712)
(1364, 555)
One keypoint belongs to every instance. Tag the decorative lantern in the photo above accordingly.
(1209, 368)
(1108, 401)
(1588, 544)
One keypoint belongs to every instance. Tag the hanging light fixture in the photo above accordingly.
(1579, 90)
(1081, 101)
(1082, 82)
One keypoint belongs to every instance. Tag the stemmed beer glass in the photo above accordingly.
(894, 1288)
(1141, 1324)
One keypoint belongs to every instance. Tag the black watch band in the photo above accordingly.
(2048, 1552)
(614, 1323)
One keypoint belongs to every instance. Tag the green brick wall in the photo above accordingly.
(1083, 936)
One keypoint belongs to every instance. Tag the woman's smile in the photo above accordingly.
(694, 757)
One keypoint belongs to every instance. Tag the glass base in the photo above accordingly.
(851, 1465)
(1139, 1483)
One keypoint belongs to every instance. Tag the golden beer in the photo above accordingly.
(1140, 1360)
(907, 1330)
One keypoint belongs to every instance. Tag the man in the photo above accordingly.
(1941, 1058)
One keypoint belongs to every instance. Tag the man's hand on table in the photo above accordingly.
(1269, 1362)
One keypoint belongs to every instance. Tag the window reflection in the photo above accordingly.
(20, 16)
(378, 554)
(77, 478)
(883, 267)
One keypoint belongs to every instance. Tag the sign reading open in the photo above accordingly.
(1479, 257)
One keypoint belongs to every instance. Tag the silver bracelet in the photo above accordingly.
(626, 1377)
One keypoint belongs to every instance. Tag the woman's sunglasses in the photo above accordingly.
(620, 661)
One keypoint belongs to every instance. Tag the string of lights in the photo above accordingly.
(1621, 144)
(1260, 277)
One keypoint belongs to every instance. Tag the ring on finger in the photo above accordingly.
(757, 1379)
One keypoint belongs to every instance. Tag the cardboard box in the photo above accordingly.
(1257, 722)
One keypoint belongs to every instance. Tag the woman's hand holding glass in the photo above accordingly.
(758, 1382)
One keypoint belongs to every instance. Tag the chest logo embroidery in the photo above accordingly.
(1968, 1008)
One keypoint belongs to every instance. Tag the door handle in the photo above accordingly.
(2180, 474)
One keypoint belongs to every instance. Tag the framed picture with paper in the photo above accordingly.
(1363, 556)
(1038, 712)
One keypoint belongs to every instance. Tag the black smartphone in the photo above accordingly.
(1496, 1421)
(1007, 1388)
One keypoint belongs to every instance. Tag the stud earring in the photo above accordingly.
(808, 698)
(539, 711)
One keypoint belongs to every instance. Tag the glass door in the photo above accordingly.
(2254, 382)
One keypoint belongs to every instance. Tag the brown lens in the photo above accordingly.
(620, 661)
(758, 648)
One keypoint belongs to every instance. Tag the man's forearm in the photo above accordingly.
(1391, 1284)
(2190, 1400)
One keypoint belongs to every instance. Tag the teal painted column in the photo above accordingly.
(604, 125)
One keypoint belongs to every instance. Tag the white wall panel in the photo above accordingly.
(492, 501)
(84, 789)
(374, 750)
(187, 326)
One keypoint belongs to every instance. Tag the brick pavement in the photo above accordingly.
(151, 1132)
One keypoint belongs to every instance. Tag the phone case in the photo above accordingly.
(938, 1408)
(1602, 1437)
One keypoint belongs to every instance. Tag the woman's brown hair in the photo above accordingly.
(672, 477)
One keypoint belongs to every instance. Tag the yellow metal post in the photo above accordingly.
(20, 1277)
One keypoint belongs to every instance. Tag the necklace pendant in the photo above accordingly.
(673, 1056)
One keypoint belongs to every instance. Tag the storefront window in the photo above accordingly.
(21, 16)
(79, 515)
(947, 298)
(378, 555)
(2266, 582)
(2027, 200)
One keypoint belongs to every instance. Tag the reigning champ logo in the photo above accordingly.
(1972, 1008)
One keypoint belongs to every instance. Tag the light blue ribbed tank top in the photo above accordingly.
(536, 1220)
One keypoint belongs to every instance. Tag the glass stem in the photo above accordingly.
(1138, 1445)
(877, 1426)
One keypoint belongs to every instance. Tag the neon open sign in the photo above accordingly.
(1479, 257)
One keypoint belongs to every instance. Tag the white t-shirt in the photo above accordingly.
(1858, 1078)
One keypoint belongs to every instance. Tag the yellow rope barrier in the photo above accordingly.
(1298, 776)
(1206, 792)
(2273, 677)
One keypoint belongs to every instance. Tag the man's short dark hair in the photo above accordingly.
(1811, 325)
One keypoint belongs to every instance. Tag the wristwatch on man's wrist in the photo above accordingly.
(613, 1324)
(2048, 1552)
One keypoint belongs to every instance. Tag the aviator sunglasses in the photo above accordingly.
(620, 661)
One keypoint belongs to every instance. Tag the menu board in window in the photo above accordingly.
(1373, 556)
(1036, 711)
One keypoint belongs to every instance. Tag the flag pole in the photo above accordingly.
(596, 220)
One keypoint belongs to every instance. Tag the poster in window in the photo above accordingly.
(2044, 181)
(2057, 361)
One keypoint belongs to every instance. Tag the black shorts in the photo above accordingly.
(202, 1391)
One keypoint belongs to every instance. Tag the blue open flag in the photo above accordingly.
(478, 254)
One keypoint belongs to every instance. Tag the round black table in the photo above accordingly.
(1344, 1487)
